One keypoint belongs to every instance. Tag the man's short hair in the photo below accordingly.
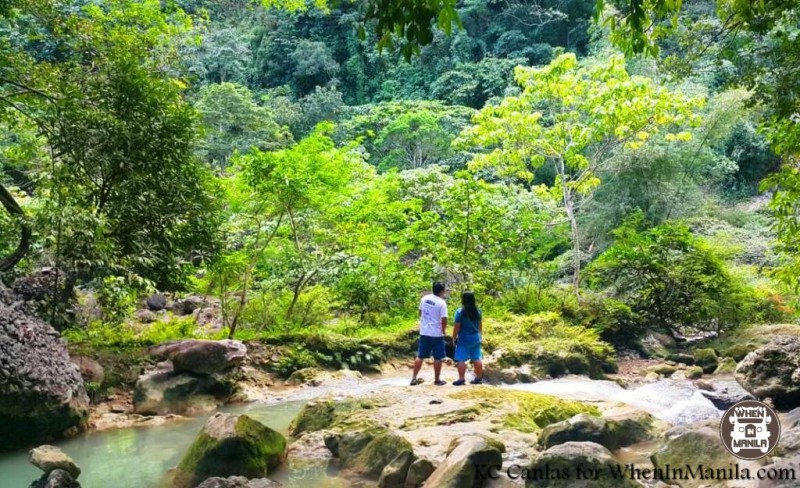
(438, 288)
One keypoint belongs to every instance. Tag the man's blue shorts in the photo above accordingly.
(468, 350)
(428, 345)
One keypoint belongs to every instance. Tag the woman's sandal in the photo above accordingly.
(459, 383)
(439, 382)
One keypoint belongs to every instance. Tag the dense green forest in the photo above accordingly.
(617, 182)
(275, 158)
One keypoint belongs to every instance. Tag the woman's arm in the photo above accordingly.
(480, 326)
(456, 330)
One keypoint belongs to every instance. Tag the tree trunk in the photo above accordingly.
(24, 245)
(569, 206)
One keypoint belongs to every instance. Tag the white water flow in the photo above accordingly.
(673, 401)
(140, 457)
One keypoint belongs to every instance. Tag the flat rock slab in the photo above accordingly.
(49, 458)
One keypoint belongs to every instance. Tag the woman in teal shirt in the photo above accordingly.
(467, 336)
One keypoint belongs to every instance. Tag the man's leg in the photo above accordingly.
(417, 367)
(437, 369)
(478, 365)
(462, 369)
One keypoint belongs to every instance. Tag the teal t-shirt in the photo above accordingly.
(470, 331)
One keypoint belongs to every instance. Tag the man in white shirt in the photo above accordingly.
(432, 327)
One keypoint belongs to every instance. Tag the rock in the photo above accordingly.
(682, 358)
(231, 445)
(156, 302)
(145, 316)
(395, 473)
(209, 317)
(37, 286)
(164, 392)
(419, 471)
(317, 377)
(368, 452)
(47, 458)
(704, 385)
(470, 453)
(726, 366)
(611, 433)
(436, 401)
(58, 478)
(791, 465)
(699, 443)
(773, 371)
(693, 372)
(314, 416)
(42, 395)
(201, 356)
(565, 458)
(91, 371)
(579, 428)
(706, 359)
(657, 345)
(739, 351)
(238, 482)
(662, 369)
(187, 306)
(726, 395)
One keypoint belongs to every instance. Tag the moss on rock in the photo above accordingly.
(662, 369)
(694, 372)
(726, 366)
(327, 414)
(231, 445)
(533, 411)
(706, 359)
(369, 452)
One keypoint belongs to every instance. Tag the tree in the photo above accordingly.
(122, 192)
(294, 187)
(413, 140)
(670, 277)
(232, 122)
(574, 117)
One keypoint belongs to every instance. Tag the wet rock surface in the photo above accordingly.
(42, 394)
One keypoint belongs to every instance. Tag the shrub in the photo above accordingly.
(670, 278)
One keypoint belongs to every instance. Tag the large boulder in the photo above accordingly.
(201, 356)
(188, 305)
(395, 473)
(231, 445)
(558, 467)
(706, 359)
(42, 395)
(611, 433)
(789, 466)
(470, 458)
(238, 482)
(156, 302)
(165, 391)
(58, 478)
(91, 371)
(368, 452)
(49, 458)
(657, 345)
(419, 471)
(773, 371)
(699, 443)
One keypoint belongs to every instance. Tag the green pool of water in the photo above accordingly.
(140, 457)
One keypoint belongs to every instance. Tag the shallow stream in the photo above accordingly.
(140, 457)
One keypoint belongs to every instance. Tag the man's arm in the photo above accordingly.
(444, 325)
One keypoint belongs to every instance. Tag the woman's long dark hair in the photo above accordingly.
(468, 305)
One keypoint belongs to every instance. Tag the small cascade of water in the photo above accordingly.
(674, 401)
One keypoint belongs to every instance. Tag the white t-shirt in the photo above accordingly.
(433, 309)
